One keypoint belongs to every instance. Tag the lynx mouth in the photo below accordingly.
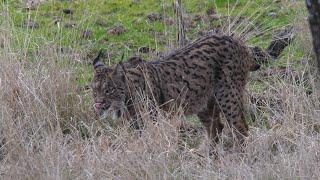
(99, 107)
(105, 112)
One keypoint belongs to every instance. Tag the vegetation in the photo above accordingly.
(49, 131)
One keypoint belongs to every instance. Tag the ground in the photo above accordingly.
(47, 126)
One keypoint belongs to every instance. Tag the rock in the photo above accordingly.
(116, 29)
(281, 40)
(67, 11)
(154, 17)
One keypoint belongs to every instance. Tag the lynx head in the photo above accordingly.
(108, 87)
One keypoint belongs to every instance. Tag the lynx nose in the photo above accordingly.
(97, 106)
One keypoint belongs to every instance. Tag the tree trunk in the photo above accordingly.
(314, 21)
(181, 31)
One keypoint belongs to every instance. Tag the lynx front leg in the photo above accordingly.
(230, 102)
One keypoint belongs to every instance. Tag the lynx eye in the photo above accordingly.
(109, 91)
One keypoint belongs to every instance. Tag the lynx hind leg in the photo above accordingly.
(216, 126)
(210, 119)
(230, 102)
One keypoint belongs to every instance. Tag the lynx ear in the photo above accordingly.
(119, 71)
(119, 68)
(97, 61)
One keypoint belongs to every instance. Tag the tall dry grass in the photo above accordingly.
(48, 129)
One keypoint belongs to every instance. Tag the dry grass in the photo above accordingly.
(49, 131)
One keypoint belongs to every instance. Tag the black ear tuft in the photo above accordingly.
(120, 68)
(97, 61)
